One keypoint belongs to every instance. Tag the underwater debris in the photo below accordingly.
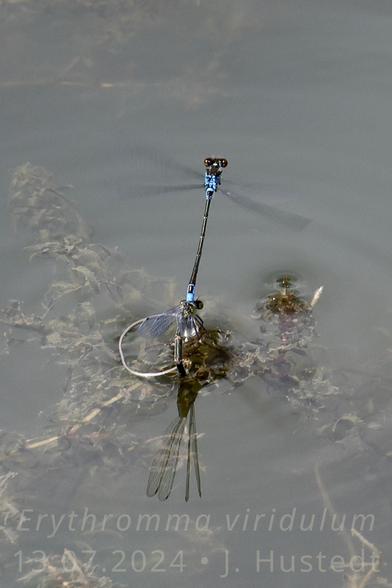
(64, 571)
(282, 356)
(36, 203)
(8, 510)
(368, 572)
(286, 317)
(82, 340)
(99, 397)
(99, 292)
(61, 234)
(286, 300)
(96, 31)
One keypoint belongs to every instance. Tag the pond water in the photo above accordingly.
(114, 99)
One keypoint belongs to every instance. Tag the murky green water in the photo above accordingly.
(292, 445)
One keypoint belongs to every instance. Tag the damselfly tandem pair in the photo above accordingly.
(185, 315)
(189, 326)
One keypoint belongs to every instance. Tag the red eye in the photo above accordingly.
(208, 162)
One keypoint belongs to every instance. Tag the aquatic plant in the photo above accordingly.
(82, 340)
(92, 296)
(369, 572)
(64, 571)
(99, 395)
(96, 32)
(8, 510)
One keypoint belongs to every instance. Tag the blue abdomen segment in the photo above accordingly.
(191, 293)
(211, 184)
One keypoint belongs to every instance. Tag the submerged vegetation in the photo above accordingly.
(63, 571)
(87, 434)
(94, 293)
(75, 326)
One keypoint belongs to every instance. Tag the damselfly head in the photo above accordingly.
(199, 304)
(215, 162)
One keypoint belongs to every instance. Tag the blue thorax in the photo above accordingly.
(211, 184)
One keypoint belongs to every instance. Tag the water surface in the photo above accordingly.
(297, 96)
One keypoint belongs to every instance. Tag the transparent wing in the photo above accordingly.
(169, 167)
(195, 452)
(160, 460)
(188, 326)
(163, 467)
(147, 190)
(271, 190)
(166, 164)
(192, 454)
(169, 473)
(156, 325)
(289, 219)
(188, 466)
